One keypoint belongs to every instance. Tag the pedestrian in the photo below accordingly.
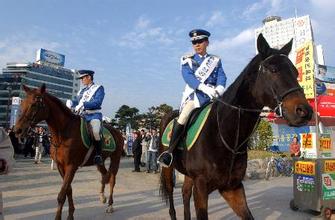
(88, 104)
(145, 145)
(153, 152)
(38, 142)
(28, 144)
(205, 80)
(137, 151)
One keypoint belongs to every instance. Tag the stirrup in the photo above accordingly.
(162, 163)
(98, 160)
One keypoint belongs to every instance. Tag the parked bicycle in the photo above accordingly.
(279, 166)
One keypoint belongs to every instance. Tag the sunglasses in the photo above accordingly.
(198, 41)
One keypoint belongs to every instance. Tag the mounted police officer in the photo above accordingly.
(88, 104)
(205, 80)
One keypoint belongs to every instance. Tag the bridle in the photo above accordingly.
(278, 110)
(36, 107)
(278, 98)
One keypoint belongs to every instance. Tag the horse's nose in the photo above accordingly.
(304, 111)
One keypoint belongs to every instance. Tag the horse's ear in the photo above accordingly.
(287, 48)
(26, 88)
(263, 46)
(42, 89)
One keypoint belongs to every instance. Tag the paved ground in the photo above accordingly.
(30, 192)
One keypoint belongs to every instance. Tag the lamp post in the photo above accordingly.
(9, 88)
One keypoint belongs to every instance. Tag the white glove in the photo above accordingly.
(78, 108)
(207, 90)
(69, 103)
(219, 91)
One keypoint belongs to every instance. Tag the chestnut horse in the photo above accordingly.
(67, 149)
(218, 158)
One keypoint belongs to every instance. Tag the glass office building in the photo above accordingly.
(59, 81)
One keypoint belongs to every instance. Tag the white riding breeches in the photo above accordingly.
(96, 125)
(183, 116)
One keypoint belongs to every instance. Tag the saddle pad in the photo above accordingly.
(108, 143)
(192, 132)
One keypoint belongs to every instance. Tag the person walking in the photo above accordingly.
(137, 151)
(205, 80)
(153, 152)
(38, 142)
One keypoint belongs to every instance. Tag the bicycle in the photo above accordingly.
(278, 166)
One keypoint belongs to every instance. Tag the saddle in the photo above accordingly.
(87, 136)
(192, 129)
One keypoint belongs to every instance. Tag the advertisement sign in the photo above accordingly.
(14, 111)
(303, 30)
(305, 183)
(325, 80)
(283, 135)
(328, 186)
(305, 168)
(305, 66)
(48, 56)
(329, 166)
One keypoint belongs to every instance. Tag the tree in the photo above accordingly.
(263, 136)
(126, 115)
(154, 115)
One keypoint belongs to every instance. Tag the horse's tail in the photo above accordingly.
(166, 184)
(166, 178)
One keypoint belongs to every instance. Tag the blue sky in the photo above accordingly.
(135, 46)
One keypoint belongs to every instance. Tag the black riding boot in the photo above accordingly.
(166, 158)
(98, 148)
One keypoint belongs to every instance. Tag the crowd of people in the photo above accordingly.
(144, 148)
(36, 144)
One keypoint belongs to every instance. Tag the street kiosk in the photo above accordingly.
(314, 175)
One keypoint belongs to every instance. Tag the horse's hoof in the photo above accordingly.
(109, 209)
(70, 218)
(103, 199)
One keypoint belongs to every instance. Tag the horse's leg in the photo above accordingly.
(70, 201)
(166, 189)
(237, 201)
(200, 195)
(67, 174)
(187, 192)
(104, 180)
(111, 186)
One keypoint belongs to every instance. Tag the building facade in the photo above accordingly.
(278, 32)
(59, 81)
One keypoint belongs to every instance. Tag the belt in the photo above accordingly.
(92, 111)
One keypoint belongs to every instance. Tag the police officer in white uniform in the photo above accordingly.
(205, 80)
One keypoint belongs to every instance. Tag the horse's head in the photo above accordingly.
(276, 85)
(33, 110)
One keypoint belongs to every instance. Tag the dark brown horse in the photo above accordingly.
(218, 158)
(67, 147)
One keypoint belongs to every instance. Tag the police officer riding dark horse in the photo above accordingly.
(205, 80)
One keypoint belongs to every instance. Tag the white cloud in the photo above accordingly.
(144, 33)
(24, 49)
(240, 39)
(269, 7)
(216, 18)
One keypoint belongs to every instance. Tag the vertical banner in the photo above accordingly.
(305, 65)
(14, 111)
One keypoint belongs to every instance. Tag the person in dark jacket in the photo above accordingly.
(137, 151)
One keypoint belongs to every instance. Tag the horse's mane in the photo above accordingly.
(245, 77)
(60, 104)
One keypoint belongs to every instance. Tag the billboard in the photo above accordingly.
(305, 65)
(48, 56)
(325, 80)
(14, 111)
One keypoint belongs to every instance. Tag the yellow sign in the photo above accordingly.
(305, 64)
(304, 167)
(306, 141)
(325, 143)
(329, 166)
